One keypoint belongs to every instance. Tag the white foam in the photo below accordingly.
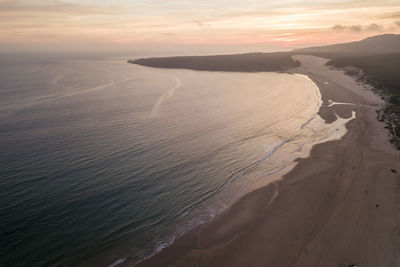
(117, 262)
(58, 78)
(9, 110)
(156, 107)
(314, 130)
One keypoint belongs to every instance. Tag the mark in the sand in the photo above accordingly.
(332, 103)
(274, 196)
(393, 170)
(377, 205)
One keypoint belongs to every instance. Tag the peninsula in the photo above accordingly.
(250, 62)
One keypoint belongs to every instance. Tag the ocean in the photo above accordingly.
(107, 161)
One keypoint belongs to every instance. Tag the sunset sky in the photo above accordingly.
(191, 25)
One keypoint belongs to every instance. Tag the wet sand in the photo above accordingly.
(339, 206)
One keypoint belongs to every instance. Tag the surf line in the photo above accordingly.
(156, 107)
(53, 97)
(282, 143)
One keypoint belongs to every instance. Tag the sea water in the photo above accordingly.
(108, 160)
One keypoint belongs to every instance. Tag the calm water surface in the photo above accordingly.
(100, 158)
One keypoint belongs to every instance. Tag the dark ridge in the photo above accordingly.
(383, 73)
(380, 44)
(250, 62)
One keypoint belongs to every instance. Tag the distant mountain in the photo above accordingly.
(380, 44)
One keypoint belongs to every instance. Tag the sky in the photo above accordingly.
(190, 26)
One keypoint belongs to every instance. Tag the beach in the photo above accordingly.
(337, 207)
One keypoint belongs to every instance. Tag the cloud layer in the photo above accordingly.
(144, 23)
(373, 27)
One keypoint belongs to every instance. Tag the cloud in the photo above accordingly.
(82, 22)
(53, 7)
(374, 27)
(338, 27)
(198, 23)
(355, 28)
(391, 15)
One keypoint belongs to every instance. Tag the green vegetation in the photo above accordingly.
(251, 62)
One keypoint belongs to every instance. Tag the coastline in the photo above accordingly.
(324, 211)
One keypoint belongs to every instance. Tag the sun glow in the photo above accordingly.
(144, 24)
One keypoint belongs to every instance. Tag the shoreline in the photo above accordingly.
(295, 146)
(299, 228)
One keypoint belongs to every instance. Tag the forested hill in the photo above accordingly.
(250, 62)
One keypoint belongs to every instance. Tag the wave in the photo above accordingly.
(92, 89)
(56, 80)
(237, 174)
(117, 262)
(12, 108)
(156, 107)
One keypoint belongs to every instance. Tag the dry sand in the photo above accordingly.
(337, 207)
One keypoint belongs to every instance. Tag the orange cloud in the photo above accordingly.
(289, 23)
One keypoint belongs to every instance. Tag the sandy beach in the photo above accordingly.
(337, 207)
